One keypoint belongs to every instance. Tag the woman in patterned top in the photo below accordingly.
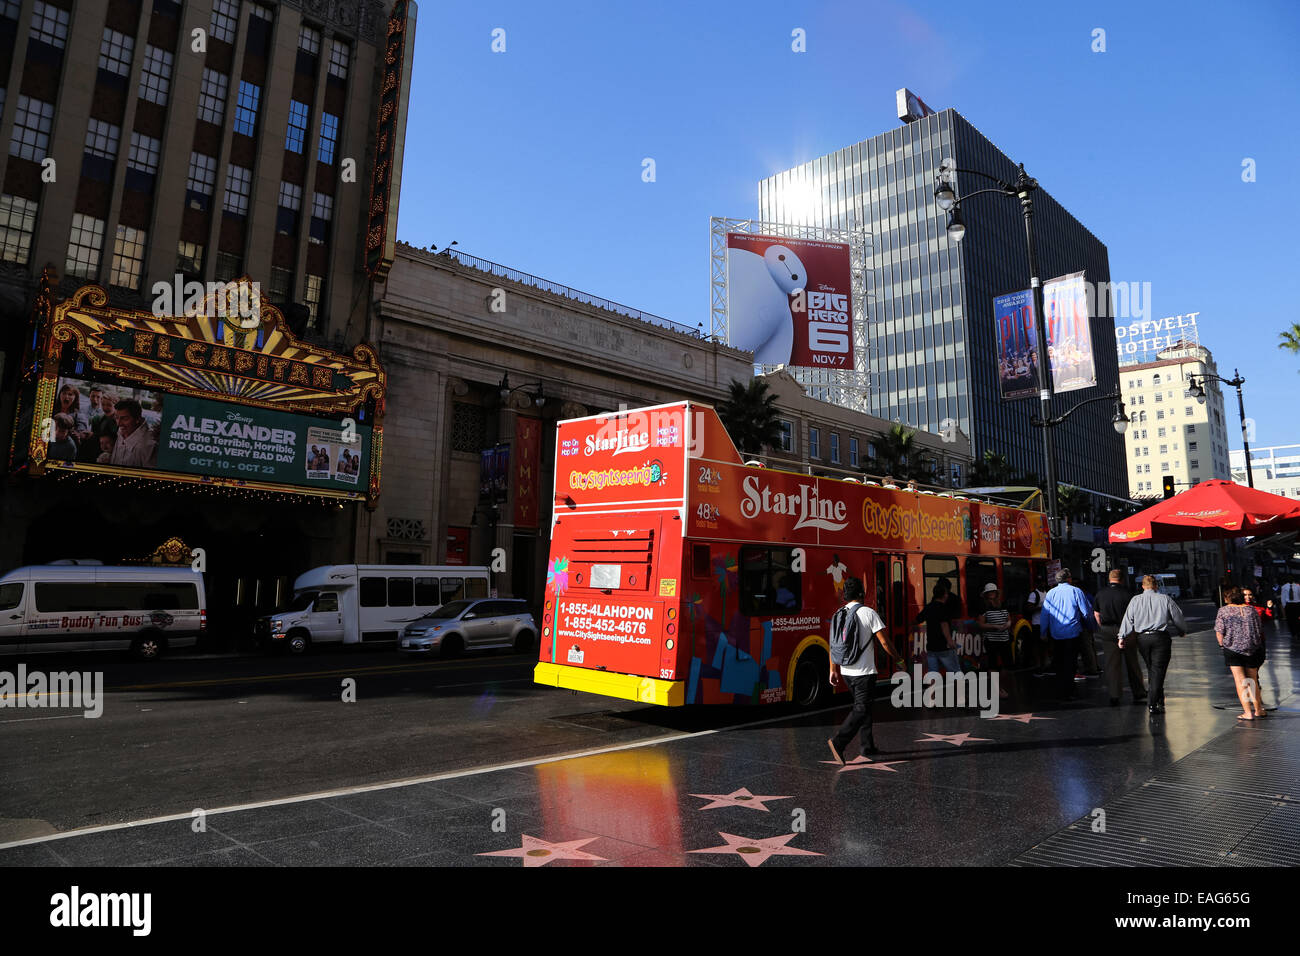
(995, 624)
(1238, 632)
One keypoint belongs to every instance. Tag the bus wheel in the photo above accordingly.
(811, 680)
(147, 647)
(524, 642)
(298, 642)
(450, 646)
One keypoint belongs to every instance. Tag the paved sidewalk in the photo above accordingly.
(1193, 786)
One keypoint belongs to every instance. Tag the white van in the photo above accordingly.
(355, 603)
(1168, 584)
(80, 607)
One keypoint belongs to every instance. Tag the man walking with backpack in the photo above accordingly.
(855, 629)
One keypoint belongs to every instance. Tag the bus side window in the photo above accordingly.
(374, 592)
(327, 601)
(476, 588)
(767, 585)
(426, 592)
(882, 597)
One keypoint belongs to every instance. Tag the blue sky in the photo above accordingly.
(533, 157)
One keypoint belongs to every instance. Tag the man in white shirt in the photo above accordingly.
(836, 571)
(854, 664)
(1291, 605)
(136, 446)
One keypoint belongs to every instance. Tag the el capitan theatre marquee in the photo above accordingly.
(221, 396)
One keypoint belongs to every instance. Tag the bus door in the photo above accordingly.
(891, 600)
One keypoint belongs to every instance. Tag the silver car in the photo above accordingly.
(475, 625)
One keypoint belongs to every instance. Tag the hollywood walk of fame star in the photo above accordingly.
(537, 852)
(756, 852)
(1023, 718)
(955, 739)
(737, 798)
(866, 763)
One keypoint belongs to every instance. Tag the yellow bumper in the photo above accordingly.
(645, 690)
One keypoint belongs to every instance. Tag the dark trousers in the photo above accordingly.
(1064, 653)
(864, 689)
(1118, 661)
(1292, 617)
(1156, 650)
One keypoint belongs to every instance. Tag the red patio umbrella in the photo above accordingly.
(1211, 510)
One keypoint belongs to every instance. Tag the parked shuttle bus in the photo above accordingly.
(356, 603)
(680, 575)
(70, 607)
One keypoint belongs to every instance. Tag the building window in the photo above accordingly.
(835, 448)
(1164, 449)
(787, 435)
(203, 175)
(17, 225)
(246, 107)
(468, 427)
(264, 13)
(225, 20)
(1187, 410)
(281, 286)
(329, 134)
(84, 244)
(189, 258)
(128, 258)
(31, 136)
(322, 206)
(1160, 433)
(1155, 380)
(853, 452)
(115, 52)
(339, 56)
(212, 96)
(297, 136)
(1195, 463)
(290, 195)
(1160, 415)
(814, 443)
(10, 9)
(49, 24)
(156, 75)
(144, 153)
(228, 266)
(239, 183)
(308, 40)
(1191, 446)
(1164, 466)
(101, 139)
(314, 298)
(1159, 397)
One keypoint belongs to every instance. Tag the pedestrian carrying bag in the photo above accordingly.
(847, 641)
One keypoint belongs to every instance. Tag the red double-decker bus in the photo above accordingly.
(678, 574)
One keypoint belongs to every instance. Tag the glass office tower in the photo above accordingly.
(931, 334)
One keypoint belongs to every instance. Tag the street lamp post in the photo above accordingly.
(1197, 388)
(1023, 189)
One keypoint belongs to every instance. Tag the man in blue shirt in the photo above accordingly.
(1067, 612)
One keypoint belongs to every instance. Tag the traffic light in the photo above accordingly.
(1169, 486)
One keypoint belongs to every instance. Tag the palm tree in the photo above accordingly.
(896, 454)
(990, 470)
(749, 414)
(1072, 504)
(1290, 338)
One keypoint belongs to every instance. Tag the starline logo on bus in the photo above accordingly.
(622, 443)
(811, 511)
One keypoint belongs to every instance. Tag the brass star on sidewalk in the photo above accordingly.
(537, 852)
(1023, 718)
(955, 739)
(738, 798)
(866, 763)
(756, 852)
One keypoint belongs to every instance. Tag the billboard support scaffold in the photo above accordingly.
(795, 296)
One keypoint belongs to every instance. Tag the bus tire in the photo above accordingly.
(450, 647)
(811, 686)
(148, 646)
(298, 642)
(524, 642)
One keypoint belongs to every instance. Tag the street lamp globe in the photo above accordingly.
(1120, 422)
(944, 195)
(956, 228)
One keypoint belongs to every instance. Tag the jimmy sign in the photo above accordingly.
(790, 300)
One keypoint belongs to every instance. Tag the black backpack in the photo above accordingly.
(847, 643)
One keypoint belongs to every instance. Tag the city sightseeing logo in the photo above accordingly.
(809, 510)
(598, 479)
